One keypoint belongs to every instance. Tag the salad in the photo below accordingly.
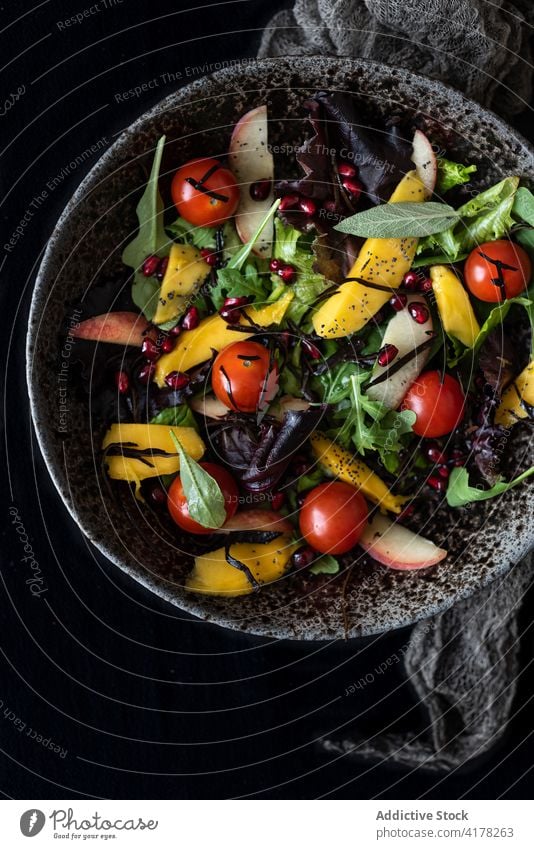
(298, 369)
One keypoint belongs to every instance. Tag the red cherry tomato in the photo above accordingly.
(439, 407)
(332, 517)
(497, 270)
(243, 377)
(177, 503)
(204, 192)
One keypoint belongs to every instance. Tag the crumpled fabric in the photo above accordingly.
(464, 667)
(484, 49)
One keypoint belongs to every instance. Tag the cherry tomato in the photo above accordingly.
(497, 270)
(177, 503)
(243, 377)
(204, 192)
(332, 517)
(439, 407)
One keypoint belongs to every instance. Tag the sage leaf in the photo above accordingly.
(150, 239)
(400, 220)
(205, 500)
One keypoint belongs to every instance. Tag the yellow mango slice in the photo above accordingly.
(349, 468)
(522, 389)
(196, 346)
(454, 306)
(185, 274)
(380, 261)
(213, 575)
(143, 438)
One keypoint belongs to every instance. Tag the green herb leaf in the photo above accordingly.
(326, 565)
(523, 207)
(452, 174)
(460, 493)
(241, 256)
(232, 283)
(293, 247)
(205, 500)
(150, 239)
(482, 219)
(180, 416)
(525, 237)
(400, 220)
(201, 237)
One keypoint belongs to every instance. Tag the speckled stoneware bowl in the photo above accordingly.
(484, 542)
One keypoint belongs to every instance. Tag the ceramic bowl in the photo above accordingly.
(484, 542)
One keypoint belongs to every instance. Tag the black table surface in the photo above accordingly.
(105, 690)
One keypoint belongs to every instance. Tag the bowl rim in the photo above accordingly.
(155, 584)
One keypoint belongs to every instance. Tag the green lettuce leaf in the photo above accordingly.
(452, 174)
(459, 492)
(150, 239)
(494, 319)
(201, 237)
(293, 247)
(180, 416)
(523, 207)
(486, 217)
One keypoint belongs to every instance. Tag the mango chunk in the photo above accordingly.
(143, 439)
(383, 262)
(270, 313)
(520, 391)
(213, 575)
(185, 274)
(455, 310)
(349, 468)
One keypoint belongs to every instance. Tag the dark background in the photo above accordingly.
(146, 701)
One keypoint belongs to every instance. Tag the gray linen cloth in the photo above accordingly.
(464, 668)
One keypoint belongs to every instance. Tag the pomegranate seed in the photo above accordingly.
(353, 187)
(303, 557)
(158, 495)
(437, 483)
(168, 345)
(260, 190)
(346, 170)
(146, 373)
(122, 382)
(210, 257)
(387, 354)
(458, 458)
(419, 312)
(191, 319)
(288, 202)
(308, 206)
(443, 472)
(287, 273)
(177, 379)
(277, 500)
(150, 350)
(435, 454)
(330, 206)
(398, 301)
(176, 330)
(275, 264)
(162, 268)
(236, 302)
(410, 280)
(311, 349)
(150, 265)
(406, 512)
(231, 316)
(425, 285)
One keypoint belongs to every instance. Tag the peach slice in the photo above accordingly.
(119, 328)
(397, 547)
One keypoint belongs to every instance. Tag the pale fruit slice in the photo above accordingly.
(425, 162)
(119, 328)
(397, 547)
(407, 336)
(251, 162)
(257, 520)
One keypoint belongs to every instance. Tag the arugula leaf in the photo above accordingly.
(482, 219)
(180, 416)
(293, 247)
(494, 319)
(452, 174)
(150, 239)
(325, 565)
(460, 493)
(205, 500)
(523, 207)
(201, 237)
(232, 283)
(398, 220)
(241, 256)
